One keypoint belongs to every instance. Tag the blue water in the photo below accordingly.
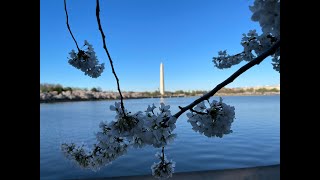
(255, 140)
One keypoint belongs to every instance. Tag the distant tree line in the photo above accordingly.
(250, 90)
(46, 87)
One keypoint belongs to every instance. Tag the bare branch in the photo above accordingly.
(162, 154)
(105, 48)
(244, 68)
(65, 8)
(192, 110)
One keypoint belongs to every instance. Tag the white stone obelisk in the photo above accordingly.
(161, 80)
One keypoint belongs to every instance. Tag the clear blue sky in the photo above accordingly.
(140, 34)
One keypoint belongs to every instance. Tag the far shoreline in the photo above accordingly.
(175, 96)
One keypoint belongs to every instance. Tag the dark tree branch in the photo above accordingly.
(244, 68)
(105, 48)
(162, 158)
(238, 54)
(65, 9)
(192, 110)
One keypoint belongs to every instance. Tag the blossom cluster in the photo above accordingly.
(164, 168)
(267, 13)
(102, 153)
(136, 130)
(212, 121)
(86, 61)
(149, 128)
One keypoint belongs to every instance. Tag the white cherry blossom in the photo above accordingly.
(164, 168)
(86, 61)
(213, 121)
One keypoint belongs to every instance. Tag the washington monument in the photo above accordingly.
(161, 79)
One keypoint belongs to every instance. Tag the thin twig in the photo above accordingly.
(105, 48)
(208, 101)
(244, 68)
(65, 8)
(162, 153)
(192, 110)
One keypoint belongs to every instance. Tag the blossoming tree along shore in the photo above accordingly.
(156, 128)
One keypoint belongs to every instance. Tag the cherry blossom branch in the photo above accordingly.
(244, 68)
(105, 48)
(65, 9)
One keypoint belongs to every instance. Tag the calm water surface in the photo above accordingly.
(255, 140)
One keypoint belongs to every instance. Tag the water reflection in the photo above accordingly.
(162, 100)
